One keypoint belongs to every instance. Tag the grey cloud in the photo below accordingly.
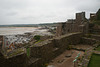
(89, 5)
(28, 18)
(38, 11)
(11, 13)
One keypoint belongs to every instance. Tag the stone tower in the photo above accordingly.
(80, 18)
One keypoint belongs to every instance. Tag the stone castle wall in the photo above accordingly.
(51, 48)
(42, 52)
(80, 24)
(16, 61)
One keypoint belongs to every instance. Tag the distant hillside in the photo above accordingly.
(29, 25)
(48, 24)
(20, 25)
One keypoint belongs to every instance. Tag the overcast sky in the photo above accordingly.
(43, 11)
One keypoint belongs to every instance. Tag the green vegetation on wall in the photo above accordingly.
(37, 37)
(98, 48)
(28, 52)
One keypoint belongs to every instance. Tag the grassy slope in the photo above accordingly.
(94, 61)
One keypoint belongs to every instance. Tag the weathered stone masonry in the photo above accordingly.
(50, 49)
(43, 52)
(80, 24)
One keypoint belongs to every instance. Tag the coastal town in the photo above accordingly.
(15, 41)
(72, 43)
